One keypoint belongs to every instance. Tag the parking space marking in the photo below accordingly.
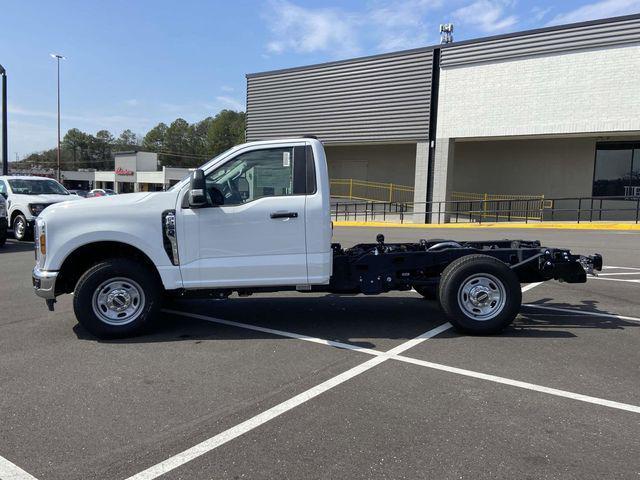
(280, 333)
(254, 422)
(607, 267)
(530, 286)
(618, 273)
(615, 280)
(519, 384)
(582, 312)
(10, 471)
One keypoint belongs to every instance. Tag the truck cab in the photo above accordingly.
(257, 219)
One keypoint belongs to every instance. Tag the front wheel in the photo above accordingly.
(21, 228)
(116, 298)
(480, 294)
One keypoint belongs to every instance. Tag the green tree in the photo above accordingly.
(101, 146)
(225, 131)
(76, 143)
(178, 144)
(127, 140)
(154, 140)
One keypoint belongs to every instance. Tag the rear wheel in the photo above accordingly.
(116, 298)
(480, 294)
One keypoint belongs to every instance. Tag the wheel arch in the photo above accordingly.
(14, 214)
(85, 256)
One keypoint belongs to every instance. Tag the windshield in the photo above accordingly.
(37, 187)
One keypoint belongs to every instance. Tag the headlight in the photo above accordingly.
(40, 241)
(37, 208)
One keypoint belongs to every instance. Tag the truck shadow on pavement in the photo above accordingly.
(13, 246)
(370, 322)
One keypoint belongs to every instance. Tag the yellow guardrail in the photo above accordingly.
(489, 205)
(352, 189)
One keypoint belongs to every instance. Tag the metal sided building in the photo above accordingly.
(553, 112)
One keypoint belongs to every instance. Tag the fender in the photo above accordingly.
(65, 244)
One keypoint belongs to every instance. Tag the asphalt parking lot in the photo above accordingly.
(320, 386)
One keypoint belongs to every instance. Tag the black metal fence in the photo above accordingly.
(575, 209)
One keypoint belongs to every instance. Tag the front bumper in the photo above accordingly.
(44, 283)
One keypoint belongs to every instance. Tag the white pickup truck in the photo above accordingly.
(257, 219)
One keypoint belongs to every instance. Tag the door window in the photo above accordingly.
(253, 175)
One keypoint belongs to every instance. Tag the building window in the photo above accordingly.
(617, 170)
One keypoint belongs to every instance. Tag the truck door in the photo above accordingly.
(257, 236)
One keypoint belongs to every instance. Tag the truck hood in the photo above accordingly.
(45, 198)
(108, 205)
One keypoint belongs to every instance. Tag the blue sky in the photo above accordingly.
(132, 64)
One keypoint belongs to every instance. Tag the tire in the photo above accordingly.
(117, 298)
(21, 230)
(429, 292)
(480, 294)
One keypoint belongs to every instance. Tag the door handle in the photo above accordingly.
(284, 215)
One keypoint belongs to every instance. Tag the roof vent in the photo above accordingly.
(446, 33)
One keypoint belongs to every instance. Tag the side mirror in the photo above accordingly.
(5, 195)
(197, 193)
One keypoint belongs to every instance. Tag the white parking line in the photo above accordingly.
(618, 273)
(615, 279)
(530, 286)
(280, 333)
(10, 471)
(519, 384)
(248, 425)
(611, 267)
(582, 312)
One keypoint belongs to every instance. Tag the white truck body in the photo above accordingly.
(225, 246)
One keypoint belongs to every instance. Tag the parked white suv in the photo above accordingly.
(3, 220)
(27, 197)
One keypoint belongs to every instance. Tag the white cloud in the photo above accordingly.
(132, 102)
(306, 30)
(538, 13)
(404, 24)
(595, 10)
(230, 102)
(227, 88)
(490, 16)
(402, 13)
(389, 24)
(99, 120)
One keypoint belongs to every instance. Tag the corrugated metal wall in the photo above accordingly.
(382, 98)
(620, 32)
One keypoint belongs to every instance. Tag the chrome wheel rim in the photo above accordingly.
(19, 228)
(118, 301)
(482, 297)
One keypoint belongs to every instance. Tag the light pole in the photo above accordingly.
(58, 58)
(5, 149)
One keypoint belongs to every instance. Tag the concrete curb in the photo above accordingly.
(503, 225)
